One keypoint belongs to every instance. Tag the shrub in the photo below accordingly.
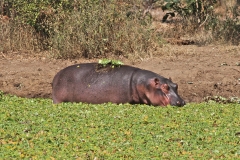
(16, 36)
(227, 30)
(93, 28)
(99, 29)
(199, 15)
(195, 11)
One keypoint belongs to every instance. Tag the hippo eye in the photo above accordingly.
(174, 85)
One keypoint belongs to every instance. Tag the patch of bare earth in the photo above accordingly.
(199, 71)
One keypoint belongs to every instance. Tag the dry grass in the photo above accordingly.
(116, 29)
(95, 31)
(18, 37)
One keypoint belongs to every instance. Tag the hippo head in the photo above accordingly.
(164, 92)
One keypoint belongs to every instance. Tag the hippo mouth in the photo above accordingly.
(175, 102)
(166, 99)
(163, 100)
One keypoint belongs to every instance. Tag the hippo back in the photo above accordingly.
(93, 84)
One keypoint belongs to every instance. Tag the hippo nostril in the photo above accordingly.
(180, 103)
(184, 102)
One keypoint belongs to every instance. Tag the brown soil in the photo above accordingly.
(199, 71)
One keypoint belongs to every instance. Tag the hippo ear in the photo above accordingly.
(170, 79)
(157, 83)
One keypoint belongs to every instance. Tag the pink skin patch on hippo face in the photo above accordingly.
(165, 98)
(157, 99)
(158, 93)
(172, 95)
(165, 88)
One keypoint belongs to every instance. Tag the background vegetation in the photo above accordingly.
(94, 28)
(38, 129)
(79, 28)
(217, 18)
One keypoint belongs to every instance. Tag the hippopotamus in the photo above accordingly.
(96, 84)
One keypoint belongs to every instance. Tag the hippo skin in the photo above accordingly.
(93, 83)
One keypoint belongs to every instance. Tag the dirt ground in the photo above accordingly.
(199, 71)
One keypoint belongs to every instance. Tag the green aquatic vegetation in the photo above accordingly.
(112, 63)
(38, 129)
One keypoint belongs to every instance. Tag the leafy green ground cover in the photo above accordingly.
(38, 129)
